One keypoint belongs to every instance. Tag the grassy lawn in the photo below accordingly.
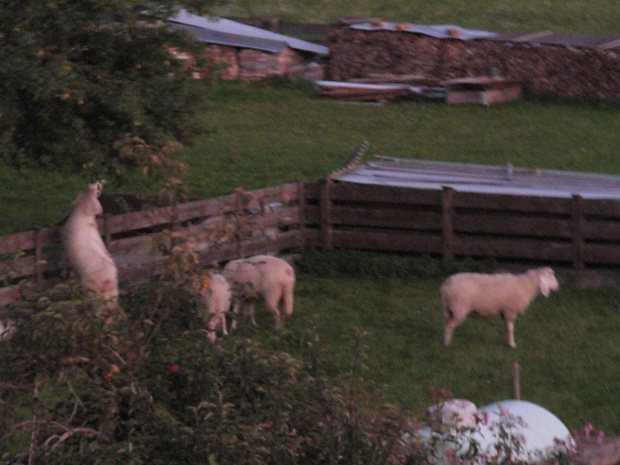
(572, 16)
(264, 135)
(568, 346)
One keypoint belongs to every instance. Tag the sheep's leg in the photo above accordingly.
(222, 317)
(251, 310)
(447, 334)
(451, 322)
(510, 326)
(236, 307)
(273, 303)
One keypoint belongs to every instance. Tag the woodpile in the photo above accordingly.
(568, 72)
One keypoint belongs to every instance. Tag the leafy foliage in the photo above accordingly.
(81, 78)
(84, 383)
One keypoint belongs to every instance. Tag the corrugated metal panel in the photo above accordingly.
(484, 179)
(440, 32)
(606, 42)
(236, 34)
(232, 40)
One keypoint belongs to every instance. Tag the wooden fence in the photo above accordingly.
(576, 231)
(572, 231)
(219, 229)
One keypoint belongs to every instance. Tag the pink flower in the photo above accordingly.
(450, 456)
(600, 436)
(588, 429)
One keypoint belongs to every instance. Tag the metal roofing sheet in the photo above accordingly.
(235, 34)
(605, 42)
(439, 31)
(550, 38)
(234, 40)
(490, 179)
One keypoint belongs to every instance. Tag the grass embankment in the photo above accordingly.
(568, 346)
(262, 136)
(573, 16)
(268, 135)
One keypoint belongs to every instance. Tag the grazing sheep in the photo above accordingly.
(217, 295)
(489, 295)
(85, 249)
(262, 276)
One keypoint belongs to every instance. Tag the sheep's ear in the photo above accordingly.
(545, 282)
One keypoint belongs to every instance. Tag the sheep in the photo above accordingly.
(266, 277)
(217, 295)
(85, 249)
(489, 295)
(8, 328)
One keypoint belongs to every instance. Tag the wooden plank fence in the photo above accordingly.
(218, 229)
(576, 232)
(571, 231)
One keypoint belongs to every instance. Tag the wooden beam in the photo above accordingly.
(326, 213)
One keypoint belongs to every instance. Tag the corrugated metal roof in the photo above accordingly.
(489, 179)
(440, 32)
(226, 32)
(605, 42)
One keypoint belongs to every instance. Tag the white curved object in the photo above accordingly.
(541, 429)
(537, 432)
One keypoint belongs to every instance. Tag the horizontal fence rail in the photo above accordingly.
(572, 231)
(218, 229)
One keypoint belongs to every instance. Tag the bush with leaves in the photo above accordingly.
(84, 384)
(81, 81)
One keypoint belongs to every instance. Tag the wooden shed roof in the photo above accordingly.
(489, 179)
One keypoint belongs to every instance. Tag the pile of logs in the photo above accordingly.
(576, 73)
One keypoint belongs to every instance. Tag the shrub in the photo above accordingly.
(80, 78)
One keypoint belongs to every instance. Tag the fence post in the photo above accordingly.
(301, 208)
(578, 231)
(326, 213)
(107, 235)
(447, 229)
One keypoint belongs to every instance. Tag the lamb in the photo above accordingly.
(489, 295)
(266, 277)
(85, 249)
(217, 296)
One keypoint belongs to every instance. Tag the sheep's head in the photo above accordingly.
(547, 281)
(88, 200)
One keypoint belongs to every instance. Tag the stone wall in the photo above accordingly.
(562, 71)
(248, 64)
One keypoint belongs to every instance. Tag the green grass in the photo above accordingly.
(568, 346)
(264, 136)
(268, 135)
(572, 16)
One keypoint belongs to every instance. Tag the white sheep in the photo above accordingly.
(85, 249)
(217, 296)
(490, 295)
(266, 277)
(8, 328)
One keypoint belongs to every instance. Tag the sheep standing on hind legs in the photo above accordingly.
(85, 249)
(491, 295)
(266, 277)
